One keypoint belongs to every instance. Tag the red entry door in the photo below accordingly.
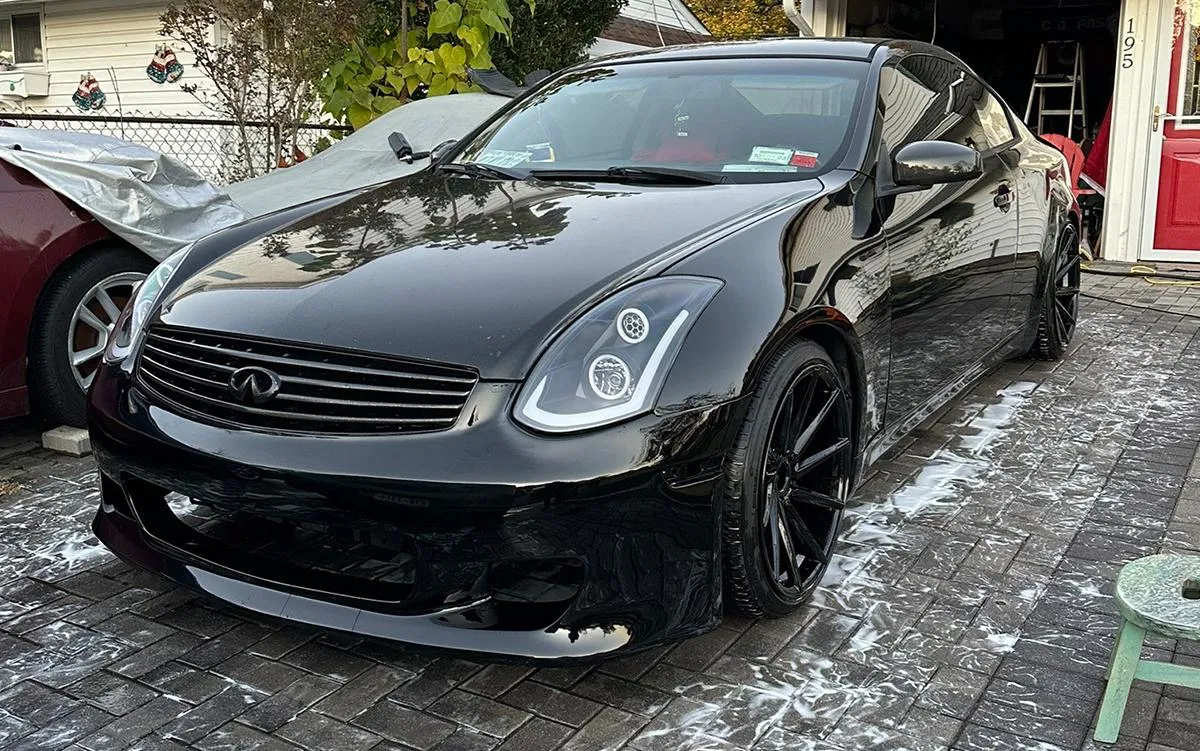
(1177, 221)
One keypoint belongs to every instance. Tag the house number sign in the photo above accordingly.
(1128, 45)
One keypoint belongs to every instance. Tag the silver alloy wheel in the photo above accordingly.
(93, 321)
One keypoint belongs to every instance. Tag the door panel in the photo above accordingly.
(1177, 217)
(1177, 224)
(952, 248)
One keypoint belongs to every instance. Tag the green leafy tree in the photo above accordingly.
(373, 79)
(555, 37)
(743, 19)
(260, 62)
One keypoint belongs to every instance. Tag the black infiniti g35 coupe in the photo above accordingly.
(613, 362)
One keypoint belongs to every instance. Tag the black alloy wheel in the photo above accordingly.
(1060, 314)
(794, 469)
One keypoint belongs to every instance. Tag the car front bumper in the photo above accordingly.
(484, 538)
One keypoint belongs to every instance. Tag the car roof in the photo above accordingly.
(842, 48)
(855, 49)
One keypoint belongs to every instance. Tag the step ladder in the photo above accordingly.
(1045, 80)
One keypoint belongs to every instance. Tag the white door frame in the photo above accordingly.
(829, 18)
(1167, 103)
(1142, 75)
(826, 18)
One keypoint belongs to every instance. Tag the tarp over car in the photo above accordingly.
(156, 203)
(365, 157)
(159, 205)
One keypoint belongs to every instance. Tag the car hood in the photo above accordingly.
(460, 270)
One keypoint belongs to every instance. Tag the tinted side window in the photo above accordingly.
(930, 99)
(994, 120)
(907, 103)
(917, 100)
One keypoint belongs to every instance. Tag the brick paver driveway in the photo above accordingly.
(969, 609)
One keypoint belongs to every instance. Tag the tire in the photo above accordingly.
(754, 557)
(1060, 308)
(60, 327)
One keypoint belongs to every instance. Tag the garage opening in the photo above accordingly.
(1003, 41)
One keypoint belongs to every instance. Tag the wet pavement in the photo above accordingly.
(970, 606)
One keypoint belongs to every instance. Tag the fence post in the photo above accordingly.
(277, 147)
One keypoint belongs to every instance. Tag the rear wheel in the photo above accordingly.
(71, 326)
(1060, 311)
(789, 478)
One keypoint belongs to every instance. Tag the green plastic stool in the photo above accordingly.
(1159, 594)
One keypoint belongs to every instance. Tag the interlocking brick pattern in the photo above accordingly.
(970, 607)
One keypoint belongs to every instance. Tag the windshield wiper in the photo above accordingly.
(478, 169)
(659, 175)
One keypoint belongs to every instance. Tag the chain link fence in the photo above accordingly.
(210, 146)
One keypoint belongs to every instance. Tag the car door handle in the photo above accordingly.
(1002, 198)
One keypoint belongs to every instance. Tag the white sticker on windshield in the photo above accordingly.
(500, 158)
(770, 155)
(758, 168)
(541, 152)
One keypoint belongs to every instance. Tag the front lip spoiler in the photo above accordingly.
(441, 629)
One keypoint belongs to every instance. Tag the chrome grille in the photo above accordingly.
(320, 390)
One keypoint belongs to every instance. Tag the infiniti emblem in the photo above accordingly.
(253, 385)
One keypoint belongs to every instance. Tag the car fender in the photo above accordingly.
(34, 254)
(1064, 209)
(799, 273)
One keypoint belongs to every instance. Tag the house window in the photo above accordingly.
(21, 38)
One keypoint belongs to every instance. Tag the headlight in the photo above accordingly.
(611, 364)
(129, 324)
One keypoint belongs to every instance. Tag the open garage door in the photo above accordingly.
(1051, 60)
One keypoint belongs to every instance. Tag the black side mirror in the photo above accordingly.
(923, 164)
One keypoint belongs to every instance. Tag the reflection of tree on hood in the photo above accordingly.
(429, 210)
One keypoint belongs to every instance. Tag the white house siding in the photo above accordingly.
(96, 35)
(665, 12)
(609, 47)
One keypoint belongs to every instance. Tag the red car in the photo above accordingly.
(64, 276)
(63, 279)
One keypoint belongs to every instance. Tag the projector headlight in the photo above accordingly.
(611, 364)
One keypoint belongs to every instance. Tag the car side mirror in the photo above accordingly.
(923, 164)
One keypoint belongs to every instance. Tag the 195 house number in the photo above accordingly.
(1128, 43)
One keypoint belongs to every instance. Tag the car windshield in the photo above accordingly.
(738, 120)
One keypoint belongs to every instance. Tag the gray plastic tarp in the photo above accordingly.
(365, 158)
(160, 205)
(155, 202)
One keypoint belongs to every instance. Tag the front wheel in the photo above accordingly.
(75, 315)
(1060, 309)
(789, 478)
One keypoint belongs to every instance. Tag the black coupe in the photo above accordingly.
(613, 362)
